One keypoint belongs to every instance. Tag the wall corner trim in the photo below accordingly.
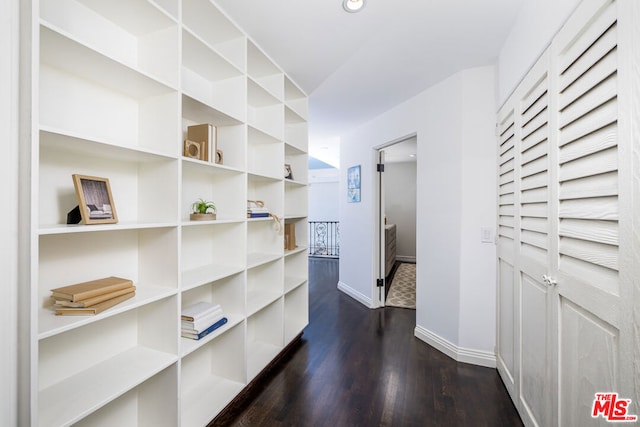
(459, 354)
(361, 298)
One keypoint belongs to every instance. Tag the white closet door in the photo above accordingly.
(593, 326)
(569, 242)
(506, 292)
(534, 230)
(525, 246)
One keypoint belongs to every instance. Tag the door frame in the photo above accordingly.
(378, 295)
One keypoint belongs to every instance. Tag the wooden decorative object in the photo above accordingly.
(290, 237)
(202, 216)
(193, 149)
(207, 134)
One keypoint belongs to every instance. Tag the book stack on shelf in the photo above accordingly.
(200, 319)
(256, 209)
(92, 297)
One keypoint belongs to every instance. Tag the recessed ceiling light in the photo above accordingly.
(353, 6)
(412, 155)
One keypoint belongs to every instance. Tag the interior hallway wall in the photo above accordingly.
(323, 201)
(453, 120)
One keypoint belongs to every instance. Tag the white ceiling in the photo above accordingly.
(355, 66)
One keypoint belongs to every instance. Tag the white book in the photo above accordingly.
(202, 323)
(198, 310)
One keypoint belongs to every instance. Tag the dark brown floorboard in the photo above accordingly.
(361, 367)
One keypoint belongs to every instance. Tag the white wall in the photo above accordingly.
(449, 122)
(477, 259)
(9, 212)
(535, 26)
(323, 201)
(323, 194)
(400, 206)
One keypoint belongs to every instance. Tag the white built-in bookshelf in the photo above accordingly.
(115, 85)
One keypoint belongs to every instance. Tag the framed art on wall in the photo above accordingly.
(353, 184)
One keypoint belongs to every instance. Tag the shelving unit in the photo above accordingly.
(212, 377)
(264, 337)
(115, 87)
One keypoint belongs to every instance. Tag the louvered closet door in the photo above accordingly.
(594, 331)
(506, 292)
(534, 228)
(567, 247)
(524, 246)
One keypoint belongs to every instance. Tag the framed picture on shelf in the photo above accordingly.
(288, 172)
(353, 184)
(95, 200)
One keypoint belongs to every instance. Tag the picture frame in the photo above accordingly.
(353, 184)
(288, 172)
(95, 200)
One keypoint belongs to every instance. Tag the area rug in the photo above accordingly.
(402, 292)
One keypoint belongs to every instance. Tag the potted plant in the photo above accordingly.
(203, 210)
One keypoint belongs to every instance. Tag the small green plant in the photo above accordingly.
(203, 207)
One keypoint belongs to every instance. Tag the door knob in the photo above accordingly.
(549, 281)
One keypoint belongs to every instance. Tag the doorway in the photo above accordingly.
(397, 164)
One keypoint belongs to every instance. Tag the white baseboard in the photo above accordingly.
(459, 354)
(403, 258)
(363, 299)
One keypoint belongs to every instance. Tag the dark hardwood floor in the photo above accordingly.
(360, 367)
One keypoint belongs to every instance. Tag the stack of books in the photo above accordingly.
(257, 212)
(200, 319)
(93, 297)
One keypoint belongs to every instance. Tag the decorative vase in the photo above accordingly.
(202, 216)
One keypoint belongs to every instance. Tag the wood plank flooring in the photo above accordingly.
(361, 367)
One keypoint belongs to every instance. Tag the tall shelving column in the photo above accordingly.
(116, 86)
(296, 287)
(213, 253)
(106, 106)
(265, 266)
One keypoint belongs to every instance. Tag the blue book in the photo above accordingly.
(258, 215)
(206, 332)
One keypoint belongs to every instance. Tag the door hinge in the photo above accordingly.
(380, 283)
(380, 167)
